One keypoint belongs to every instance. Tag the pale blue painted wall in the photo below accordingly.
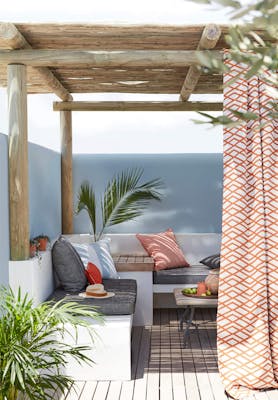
(193, 189)
(4, 212)
(45, 191)
(45, 197)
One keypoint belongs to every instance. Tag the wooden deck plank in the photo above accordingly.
(75, 391)
(272, 394)
(128, 386)
(101, 390)
(190, 378)
(140, 385)
(262, 396)
(88, 390)
(176, 358)
(204, 385)
(154, 362)
(114, 390)
(209, 355)
(61, 394)
(166, 387)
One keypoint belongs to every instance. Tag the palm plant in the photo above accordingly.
(124, 199)
(32, 352)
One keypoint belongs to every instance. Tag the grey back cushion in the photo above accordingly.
(68, 267)
(212, 261)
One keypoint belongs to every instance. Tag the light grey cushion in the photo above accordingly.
(188, 275)
(67, 266)
(123, 303)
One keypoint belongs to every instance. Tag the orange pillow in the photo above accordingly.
(164, 249)
(93, 274)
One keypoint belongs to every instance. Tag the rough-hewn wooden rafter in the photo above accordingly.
(116, 59)
(209, 39)
(136, 106)
(114, 36)
(15, 40)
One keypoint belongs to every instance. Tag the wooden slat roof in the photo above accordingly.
(116, 38)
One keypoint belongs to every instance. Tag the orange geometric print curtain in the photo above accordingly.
(248, 293)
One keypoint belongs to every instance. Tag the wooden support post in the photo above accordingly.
(66, 172)
(18, 163)
(210, 36)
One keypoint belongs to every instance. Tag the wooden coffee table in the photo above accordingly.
(190, 304)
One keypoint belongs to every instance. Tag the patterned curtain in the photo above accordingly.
(248, 294)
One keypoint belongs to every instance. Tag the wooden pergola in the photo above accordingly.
(66, 58)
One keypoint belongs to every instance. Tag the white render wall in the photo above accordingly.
(44, 193)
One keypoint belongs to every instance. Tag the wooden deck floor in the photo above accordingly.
(162, 369)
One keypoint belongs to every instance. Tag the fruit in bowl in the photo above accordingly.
(194, 291)
(189, 291)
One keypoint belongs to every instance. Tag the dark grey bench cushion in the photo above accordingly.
(123, 303)
(188, 275)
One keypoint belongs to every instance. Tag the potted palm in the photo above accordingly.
(31, 354)
(124, 199)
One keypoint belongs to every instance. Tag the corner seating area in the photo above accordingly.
(138, 291)
(155, 288)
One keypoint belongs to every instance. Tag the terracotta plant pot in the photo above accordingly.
(33, 250)
(212, 281)
(42, 244)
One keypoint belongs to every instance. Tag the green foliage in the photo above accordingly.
(124, 199)
(32, 352)
(253, 43)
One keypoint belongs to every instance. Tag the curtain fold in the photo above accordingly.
(247, 322)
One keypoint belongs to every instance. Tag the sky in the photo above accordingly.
(116, 132)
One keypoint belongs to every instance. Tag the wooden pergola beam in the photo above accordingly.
(209, 38)
(119, 59)
(136, 106)
(15, 40)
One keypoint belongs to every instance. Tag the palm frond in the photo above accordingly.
(124, 199)
(32, 350)
(87, 201)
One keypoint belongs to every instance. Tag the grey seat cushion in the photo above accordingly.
(123, 303)
(188, 275)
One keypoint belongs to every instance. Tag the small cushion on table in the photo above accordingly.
(212, 261)
(123, 303)
(191, 275)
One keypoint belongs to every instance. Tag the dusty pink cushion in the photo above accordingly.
(163, 248)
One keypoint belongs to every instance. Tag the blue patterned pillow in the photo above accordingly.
(212, 261)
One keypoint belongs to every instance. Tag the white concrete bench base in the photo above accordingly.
(112, 348)
(111, 351)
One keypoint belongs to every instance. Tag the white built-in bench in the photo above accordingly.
(132, 261)
(111, 350)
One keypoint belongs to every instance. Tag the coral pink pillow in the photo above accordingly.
(163, 248)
